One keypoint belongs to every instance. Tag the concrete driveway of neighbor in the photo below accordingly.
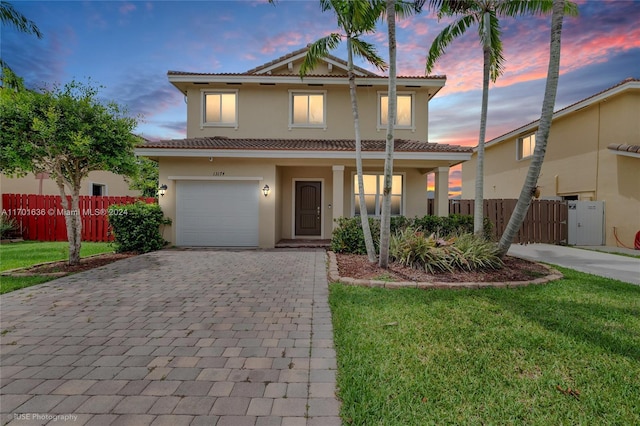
(176, 337)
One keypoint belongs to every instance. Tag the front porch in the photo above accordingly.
(303, 243)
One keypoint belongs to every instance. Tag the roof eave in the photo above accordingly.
(457, 157)
(179, 80)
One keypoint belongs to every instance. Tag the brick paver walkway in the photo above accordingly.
(194, 337)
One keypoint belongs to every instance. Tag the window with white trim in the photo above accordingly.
(220, 108)
(526, 146)
(307, 109)
(98, 189)
(404, 108)
(373, 191)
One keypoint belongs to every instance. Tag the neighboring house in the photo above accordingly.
(593, 154)
(97, 183)
(267, 130)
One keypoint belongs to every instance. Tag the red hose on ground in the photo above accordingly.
(637, 242)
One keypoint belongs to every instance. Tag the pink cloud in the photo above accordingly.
(284, 42)
(127, 8)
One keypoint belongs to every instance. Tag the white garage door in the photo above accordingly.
(217, 213)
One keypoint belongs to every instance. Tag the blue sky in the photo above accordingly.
(128, 47)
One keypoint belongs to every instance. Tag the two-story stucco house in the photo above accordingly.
(593, 154)
(271, 156)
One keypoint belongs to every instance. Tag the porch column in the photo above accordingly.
(441, 184)
(338, 193)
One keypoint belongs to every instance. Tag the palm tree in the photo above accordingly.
(10, 16)
(385, 219)
(486, 14)
(355, 18)
(403, 9)
(542, 135)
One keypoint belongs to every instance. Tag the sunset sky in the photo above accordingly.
(128, 47)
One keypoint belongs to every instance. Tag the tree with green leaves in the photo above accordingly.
(67, 133)
(542, 135)
(486, 15)
(146, 178)
(355, 18)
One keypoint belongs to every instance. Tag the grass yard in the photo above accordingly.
(28, 253)
(563, 353)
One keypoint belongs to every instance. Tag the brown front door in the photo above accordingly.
(308, 208)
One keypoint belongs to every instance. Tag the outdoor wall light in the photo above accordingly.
(266, 190)
(162, 190)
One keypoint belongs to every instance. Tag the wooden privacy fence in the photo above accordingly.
(41, 217)
(545, 222)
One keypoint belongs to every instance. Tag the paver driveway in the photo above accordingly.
(193, 337)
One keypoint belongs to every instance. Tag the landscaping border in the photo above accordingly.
(334, 275)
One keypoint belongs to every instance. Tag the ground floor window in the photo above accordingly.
(373, 191)
(98, 189)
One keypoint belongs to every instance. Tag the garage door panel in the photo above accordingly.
(217, 214)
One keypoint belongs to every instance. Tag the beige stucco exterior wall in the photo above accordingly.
(287, 188)
(577, 163)
(276, 210)
(263, 112)
(116, 185)
(233, 167)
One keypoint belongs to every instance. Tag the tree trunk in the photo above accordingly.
(72, 220)
(364, 217)
(478, 209)
(74, 228)
(385, 222)
(542, 135)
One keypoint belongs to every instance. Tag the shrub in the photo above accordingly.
(348, 237)
(410, 247)
(7, 226)
(478, 252)
(136, 227)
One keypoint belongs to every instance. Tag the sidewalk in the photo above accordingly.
(607, 265)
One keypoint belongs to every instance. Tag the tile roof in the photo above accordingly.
(624, 147)
(254, 71)
(421, 77)
(303, 50)
(224, 143)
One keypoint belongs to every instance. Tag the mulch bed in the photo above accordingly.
(515, 269)
(63, 267)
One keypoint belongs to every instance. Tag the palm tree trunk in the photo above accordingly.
(478, 209)
(542, 135)
(364, 217)
(385, 222)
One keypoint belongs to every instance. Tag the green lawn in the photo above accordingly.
(493, 356)
(27, 253)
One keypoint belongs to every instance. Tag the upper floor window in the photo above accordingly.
(373, 191)
(405, 111)
(526, 146)
(307, 109)
(220, 108)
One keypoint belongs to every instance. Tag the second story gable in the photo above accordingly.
(272, 101)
